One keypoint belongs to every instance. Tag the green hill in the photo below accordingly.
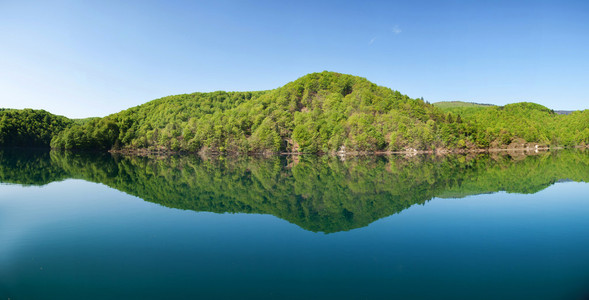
(499, 126)
(459, 104)
(322, 112)
(461, 108)
(28, 127)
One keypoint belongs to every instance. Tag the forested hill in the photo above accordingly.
(30, 128)
(322, 112)
(496, 126)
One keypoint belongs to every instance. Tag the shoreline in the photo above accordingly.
(409, 152)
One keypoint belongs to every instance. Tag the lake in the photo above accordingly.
(484, 226)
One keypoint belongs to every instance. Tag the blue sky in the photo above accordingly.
(94, 58)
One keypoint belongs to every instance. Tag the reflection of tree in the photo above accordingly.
(316, 193)
(28, 167)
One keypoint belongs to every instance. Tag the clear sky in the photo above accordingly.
(94, 58)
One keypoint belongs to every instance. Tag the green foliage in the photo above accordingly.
(30, 128)
(459, 104)
(461, 108)
(320, 112)
(498, 126)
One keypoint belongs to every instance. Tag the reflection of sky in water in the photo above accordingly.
(28, 213)
(72, 238)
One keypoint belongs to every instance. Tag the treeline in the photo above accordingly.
(318, 113)
(30, 128)
(318, 193)
(495, 126)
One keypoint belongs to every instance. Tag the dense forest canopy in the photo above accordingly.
(530, 122)
(28, 127)
(318, 193)
(318, 113)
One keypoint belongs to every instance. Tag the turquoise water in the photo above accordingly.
(82, 232)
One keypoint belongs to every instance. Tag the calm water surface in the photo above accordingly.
(75, 226)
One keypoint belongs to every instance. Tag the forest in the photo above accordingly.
(323, 112)
(30, 128)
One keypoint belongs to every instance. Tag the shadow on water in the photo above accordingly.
(317, 193)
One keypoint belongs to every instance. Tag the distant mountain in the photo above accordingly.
(564, 112)
(454, 104)
(457, 106)
(323, 112)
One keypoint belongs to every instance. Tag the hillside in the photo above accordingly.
(30, 128)
(323, 112)
(496, 126)
(459, 104)
(320, 112)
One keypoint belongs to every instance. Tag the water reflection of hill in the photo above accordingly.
(317, 193)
